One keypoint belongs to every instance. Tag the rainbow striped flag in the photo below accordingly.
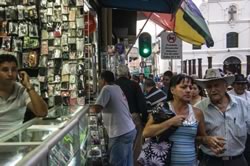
(187, 22)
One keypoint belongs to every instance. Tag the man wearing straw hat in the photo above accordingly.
(227, 117)
(240, 90)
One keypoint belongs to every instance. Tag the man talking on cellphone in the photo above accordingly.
(15, 96)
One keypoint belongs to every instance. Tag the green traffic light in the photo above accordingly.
(145, 50)
(145, 43)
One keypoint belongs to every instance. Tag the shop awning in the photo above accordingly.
(180, 16)
(161, 6)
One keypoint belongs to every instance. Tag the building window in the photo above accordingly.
(232, 40)
(196, 47)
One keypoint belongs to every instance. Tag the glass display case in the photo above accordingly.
(11, 154)
(58, 139)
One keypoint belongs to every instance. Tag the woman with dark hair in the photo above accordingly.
(197, 94)
(189, 120)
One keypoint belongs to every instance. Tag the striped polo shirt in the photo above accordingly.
(154, 97)
(232, 124)
(12, 110)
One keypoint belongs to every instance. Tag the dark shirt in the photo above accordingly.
(135, 97)
(164, 89)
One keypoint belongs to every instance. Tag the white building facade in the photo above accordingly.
(229, 24)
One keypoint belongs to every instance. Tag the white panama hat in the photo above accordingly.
(212, 75)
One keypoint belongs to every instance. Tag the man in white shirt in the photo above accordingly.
(240, 87)
(15, 96)
(240, 90)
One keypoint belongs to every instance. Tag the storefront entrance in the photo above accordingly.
(232, 65)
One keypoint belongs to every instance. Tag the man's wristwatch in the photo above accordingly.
(29, 88)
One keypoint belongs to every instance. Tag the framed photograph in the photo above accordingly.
(57, 3)
(20, 10)
(79, 23)
(65, 17)
(79, 3)
(30, 59)
(65, 10)
(72, 55)
(79, 44)
(57, 53)
(79, 12)
(33, 30)
(13, 28)
(71, 40)
(43, 16)
(17, 45)
(44, 47)
(6, 41)
(45, 35)
(43, 3)
(43, 60)
(65, 2)
(72, 33)
(72, 15)
(3, 28)
(57, 14)
(64, 39)
(79, 33)
(57, 41)
(58, 30)
(23, 30)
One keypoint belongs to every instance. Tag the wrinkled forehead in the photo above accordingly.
(215, 82)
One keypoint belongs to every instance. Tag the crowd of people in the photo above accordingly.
(212, 121)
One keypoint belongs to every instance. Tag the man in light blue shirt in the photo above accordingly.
(225, 116)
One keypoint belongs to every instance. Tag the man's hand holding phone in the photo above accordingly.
(25, 80)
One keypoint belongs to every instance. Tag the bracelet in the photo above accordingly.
(29, 88)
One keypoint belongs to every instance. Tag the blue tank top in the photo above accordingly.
(183, 150)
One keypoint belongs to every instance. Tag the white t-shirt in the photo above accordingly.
(116, 116)
(245, 95)
(12, 110)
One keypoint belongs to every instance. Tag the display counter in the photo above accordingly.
(59, 139)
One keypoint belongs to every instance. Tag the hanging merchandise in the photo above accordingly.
(53, 39)
(62, 33)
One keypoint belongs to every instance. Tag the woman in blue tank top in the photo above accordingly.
(189, 120)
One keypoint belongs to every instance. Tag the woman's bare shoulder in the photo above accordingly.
(198, 113)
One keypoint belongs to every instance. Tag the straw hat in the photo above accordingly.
(212, 75)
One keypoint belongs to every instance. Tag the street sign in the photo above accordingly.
(171, 46)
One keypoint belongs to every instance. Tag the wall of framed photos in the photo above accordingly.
(49, 37)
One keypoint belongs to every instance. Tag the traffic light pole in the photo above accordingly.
(130, 48)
